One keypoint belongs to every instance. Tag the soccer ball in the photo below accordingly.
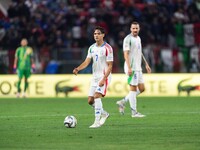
(70, 122)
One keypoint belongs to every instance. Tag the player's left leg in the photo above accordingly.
(121, 104)
(20, 74)
(140, 88)
(103, 90)
(27, 74)
(26, 84)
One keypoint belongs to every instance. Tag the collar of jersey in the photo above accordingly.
(102, 44)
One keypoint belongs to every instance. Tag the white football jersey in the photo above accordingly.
(100, 55)
(134, 46)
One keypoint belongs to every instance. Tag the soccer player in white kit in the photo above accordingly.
(102, 55)
(132, 49)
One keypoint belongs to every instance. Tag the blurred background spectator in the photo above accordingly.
(60, 31)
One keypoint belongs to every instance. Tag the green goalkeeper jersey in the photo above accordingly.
(24, 55)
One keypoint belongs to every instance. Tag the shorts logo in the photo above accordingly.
(135, 76)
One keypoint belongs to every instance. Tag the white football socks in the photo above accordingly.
(137, 92)
(93, 105)
(102, 110)
(98, 108)
(126, 98)
(133, 100)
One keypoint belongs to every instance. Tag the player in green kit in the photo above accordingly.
(23, 64)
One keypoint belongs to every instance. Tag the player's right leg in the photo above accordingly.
(20, 76)
(133, 83)
(98, 108)
(136, 114)
(140, 89)
(95, 105)
(102, 91)
(100, 114)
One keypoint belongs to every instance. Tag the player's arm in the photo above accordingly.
(126, 57)
(148, 68)
(107, 73)
(15, 62)
(82, 66)
(32, 60)
(33, 65)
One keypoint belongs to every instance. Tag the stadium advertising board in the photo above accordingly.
(77, 86)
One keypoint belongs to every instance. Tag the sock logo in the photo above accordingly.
(98, 112)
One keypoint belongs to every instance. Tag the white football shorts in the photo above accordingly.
(96, 88)
(136, 78)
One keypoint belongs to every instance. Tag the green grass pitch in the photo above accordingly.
(171, 123)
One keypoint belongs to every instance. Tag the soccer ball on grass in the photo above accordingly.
(70, 122)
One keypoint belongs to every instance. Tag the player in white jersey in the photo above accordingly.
(132, 49)
(102, 55)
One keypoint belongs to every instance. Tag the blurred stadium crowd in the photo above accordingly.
(60, 32)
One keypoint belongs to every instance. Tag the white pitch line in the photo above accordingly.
(59, 115)
(27, 116)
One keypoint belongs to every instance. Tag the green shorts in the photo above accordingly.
(23, 73)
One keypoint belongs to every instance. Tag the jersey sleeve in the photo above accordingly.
(126, 43)
(89, 54)
(17, 53)
(30, 51)
(109, 53)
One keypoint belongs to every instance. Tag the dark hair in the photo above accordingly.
(100, 29)
(135, 22)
